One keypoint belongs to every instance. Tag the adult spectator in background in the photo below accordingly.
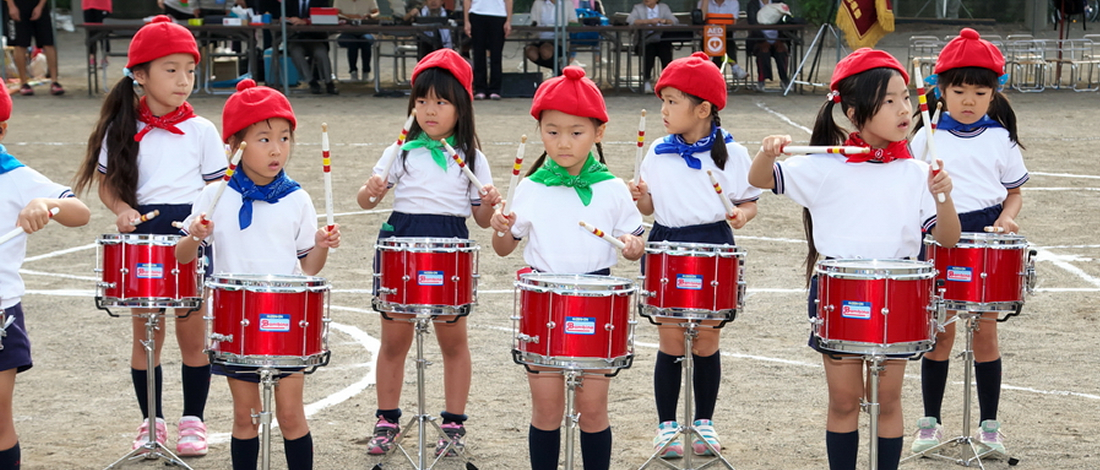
(180, 10)
(430, 41)
(766, 45)
(488, 22)
(654, 13)
(95, 11)
(545, 13)
(32, 20)
(357, 44)
(724, 12)
(308, 50)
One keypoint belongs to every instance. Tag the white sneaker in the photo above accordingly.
(989, 435)
(929, 434)
(192, 437)
(706, 429)
(738, 72)
(648, 88)
(355, 75)
(665, 431)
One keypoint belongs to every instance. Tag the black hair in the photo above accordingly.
(239, 136)
(446, 86)
(1000, 109)
(718, 152)
(863, 93)
(115, 129)
(542, 158)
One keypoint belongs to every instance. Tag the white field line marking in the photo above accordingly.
(61, 275)
(1064, 175)
(1052, 247)
(369, 343)
(372, 211)
(761, 105)
(61, 292)
(1025, 188)
(1062, 262)
(60, 252)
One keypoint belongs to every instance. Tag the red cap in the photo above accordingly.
(451, 61)
(159, 38)
(5, 107)
(252, 104)
(695, 75)
(865, 59)
(570, 93)
(970, 50)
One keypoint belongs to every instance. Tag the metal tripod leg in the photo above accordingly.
(875, 366)
(268, 379)
(152, 449)
(573, 378)
(687, 428)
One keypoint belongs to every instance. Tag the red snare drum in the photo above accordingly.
(875, 306)
(435, 276)
(141, 271)
(693, 281)
(984, 272)
(275, 321)
(573, 321)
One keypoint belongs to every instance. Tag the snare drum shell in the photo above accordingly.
(139, 266)
(851, 309)
(699, 277)
(590, 324)
(439, 276)
(266, 323)
(982, 268)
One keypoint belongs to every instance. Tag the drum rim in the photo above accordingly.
(1012, 241)
(242, 280)
(605, 284)
(156, 239)
(574, 362)
(903, 268)
(694, 249)
(391, 244)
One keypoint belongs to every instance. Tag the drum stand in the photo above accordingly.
(969, 455)
(420, 326)
(875, 365)
(687, 428)
(573, 379)
(152, 449)
(268, 379)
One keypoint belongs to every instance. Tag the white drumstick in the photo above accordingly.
(177, 224)
(936, 116)
(387, 162)
(812, 149)
(326, 161)
(515, 178)
(462, 164)
(992, 229)
(221, 186)
(641, 150)
(600, 233)
(931, 145)
(17, 230)
(145, 217)
(725, 201)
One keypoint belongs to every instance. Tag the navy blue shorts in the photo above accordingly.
(977, 221)
(40, 30)
(401, 224)
(17, 345)
(248, 374)
(715, 233)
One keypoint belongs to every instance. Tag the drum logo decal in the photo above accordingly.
(274, 322)
(959, 273)
(150, 271)
(429, 278)
(580, 326)
(854, 309)
(689, 281)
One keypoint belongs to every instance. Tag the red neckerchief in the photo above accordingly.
(167, 122)
(895, 151)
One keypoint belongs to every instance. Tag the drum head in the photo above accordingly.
(693, 249)
(267, 282)
(138, 239)
(433, 245)
(1008, 241)
(875, 269)
(575, 284)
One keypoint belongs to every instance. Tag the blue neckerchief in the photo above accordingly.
(7, 161)
(269, 193)
(948, 123)
(675, 144)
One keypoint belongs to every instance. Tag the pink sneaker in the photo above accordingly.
(192, 437)
(143, 433)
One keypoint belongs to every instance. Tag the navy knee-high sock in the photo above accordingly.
(196, 387)
(708, 377)
(9, 459)
(141, 388)
(299, 453)
(988, 377)
(889, 453)
(596, 449)
(245, 453)
(666, 386)
(449, 418)
(933, 380)
(543, 448)
(842, 447)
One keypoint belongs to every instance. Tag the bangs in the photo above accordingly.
(977, 76)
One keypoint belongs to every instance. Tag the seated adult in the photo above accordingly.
(650, 12)
(305, 47)
(767, 45)
(545, 13)
(430, 41)
(724, 12)
(357, 44)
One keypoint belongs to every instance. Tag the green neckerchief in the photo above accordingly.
(552, 174)
(423, 141)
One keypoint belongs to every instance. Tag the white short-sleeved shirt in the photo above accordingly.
(684, 196)
(984, 164)
(279, 235)
(550, 217)
(420, 186)
(173, 168)
(861, 210)
(17, 188)
(488, 7)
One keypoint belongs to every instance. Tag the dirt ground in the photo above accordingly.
(76, 410)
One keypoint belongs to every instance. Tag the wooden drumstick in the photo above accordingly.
(600, 233)
(17, 230)
(931, 145)
(936, 116)
(386, 163)
(730, 214)
(992, 229)
(145, 218)
(811, 149)
(221, 186)
(515, 178)
(177, 224)
(641, 150)
(326, 161)
(462, 164)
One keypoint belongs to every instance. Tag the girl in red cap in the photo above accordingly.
(977, 137)
(266, 225)
(674, 187)
(432, 198)
(871, 206)
(572, 118)
(154, 153)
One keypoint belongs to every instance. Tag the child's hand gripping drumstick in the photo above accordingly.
(730, 213)
(145, 218)
(812, 149)
(600, 233)
(515, 179)
(327, 163)
(18, 230)
(992, 229)
(928, 128)
(641, 150)
(462, 164)
(388, 162)
(221, 186)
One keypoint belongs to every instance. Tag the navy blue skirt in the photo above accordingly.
(162, 224)
(401, 224)
(977, 221)
(17, 345)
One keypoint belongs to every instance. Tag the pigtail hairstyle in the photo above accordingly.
(542, 158)
(447, 87)
(863, 93)
(116, 129)
(718, 152)
(1000, 109)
